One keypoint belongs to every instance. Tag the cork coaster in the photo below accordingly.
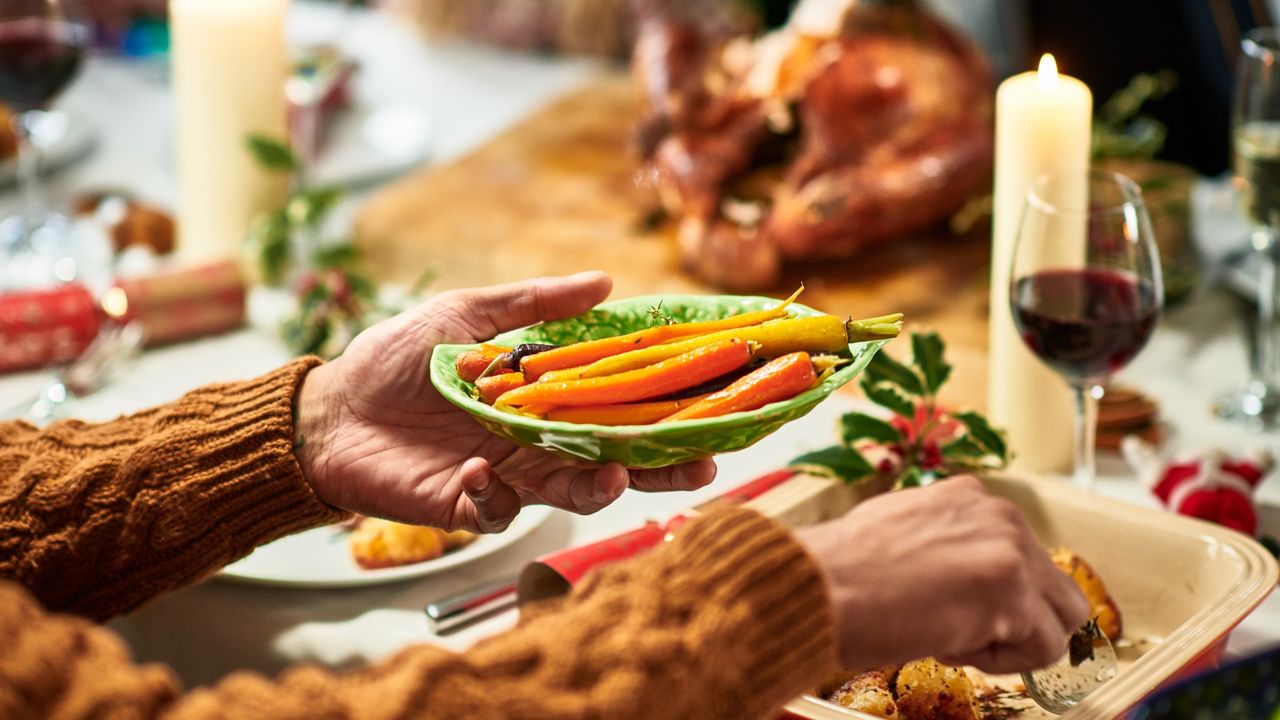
(1125, 411)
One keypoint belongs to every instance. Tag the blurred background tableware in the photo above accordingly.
(1085, 289)
(41, 42)
(1256, 152)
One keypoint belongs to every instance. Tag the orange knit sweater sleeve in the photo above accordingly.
(729, 620)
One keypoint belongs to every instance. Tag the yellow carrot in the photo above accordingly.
(821, 334)
(590, 351)
(678, 373)
(621, 414)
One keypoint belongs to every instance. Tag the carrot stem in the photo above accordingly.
(779, 379)
(588, 352)
(672, 375)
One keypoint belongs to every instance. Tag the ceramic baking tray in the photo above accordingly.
(1181, 584)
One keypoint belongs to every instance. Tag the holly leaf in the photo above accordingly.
(883, 368)
(269, 237)
(985, 435)
(885, 396)
(964, 448)
(927, 352)
(839, 461)
(860, 426)
(310, 206)
(271, 153)
(911, 477)
(336, 256)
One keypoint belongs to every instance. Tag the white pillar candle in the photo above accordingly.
(229, 66)
(1042, 126)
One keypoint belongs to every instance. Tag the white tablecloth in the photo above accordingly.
(215, 627)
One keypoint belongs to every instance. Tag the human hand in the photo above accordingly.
(376, 438)
(947, 571)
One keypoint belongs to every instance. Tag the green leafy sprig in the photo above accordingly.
(919, 440)
(335, 300)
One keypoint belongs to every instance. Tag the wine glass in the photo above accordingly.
(1256, 149)
(41, 42)
(1085, 289)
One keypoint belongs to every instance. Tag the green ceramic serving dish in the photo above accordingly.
(640, 446)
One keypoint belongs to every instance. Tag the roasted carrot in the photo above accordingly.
(492, 387)
(824, 333)
(472, 363)
(668, 376)
(623, 414)
(780, 379)
(592, 350)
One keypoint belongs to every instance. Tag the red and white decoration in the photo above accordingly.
(1210, 485)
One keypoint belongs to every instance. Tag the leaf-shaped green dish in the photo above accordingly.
(641, 446)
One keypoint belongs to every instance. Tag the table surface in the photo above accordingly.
(213, 628)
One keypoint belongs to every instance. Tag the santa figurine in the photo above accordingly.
(1209, 485)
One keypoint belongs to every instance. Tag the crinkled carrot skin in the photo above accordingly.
(825, 333)
(624, 414)
(779, 379)
(672, 375)
(590, 351)
(472, 363)
(493, 387)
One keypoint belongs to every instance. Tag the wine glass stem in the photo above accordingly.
(1265, 370)
(33, 206)
(1087, 397)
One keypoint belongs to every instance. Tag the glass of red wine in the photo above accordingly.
(41, 42)
(1085, 290)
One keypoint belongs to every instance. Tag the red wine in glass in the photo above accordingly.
(1084, 323)
(38, 58)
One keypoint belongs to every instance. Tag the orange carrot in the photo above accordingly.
(584, 353)
(623, 414)
(780, 379)
(492, 387)
(471, 363)
(678, 373)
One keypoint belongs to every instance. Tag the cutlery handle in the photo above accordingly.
(454, 611)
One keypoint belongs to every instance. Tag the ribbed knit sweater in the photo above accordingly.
(728, 621)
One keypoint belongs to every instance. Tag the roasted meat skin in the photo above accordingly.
(874, 133)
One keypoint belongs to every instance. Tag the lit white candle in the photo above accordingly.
(229, 67)
(1042, 125)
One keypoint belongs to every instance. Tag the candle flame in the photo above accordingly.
(1048, 72)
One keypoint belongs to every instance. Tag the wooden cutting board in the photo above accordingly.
(555, 194)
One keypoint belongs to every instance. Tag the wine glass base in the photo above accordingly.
(1256, 405)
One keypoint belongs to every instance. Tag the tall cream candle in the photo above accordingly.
(229, 69)
(1042, 125)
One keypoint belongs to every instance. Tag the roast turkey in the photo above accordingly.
(860, 122)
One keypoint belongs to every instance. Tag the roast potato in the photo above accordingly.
(377, 543)
(868, 692)
(929, 690)
(1103, 606)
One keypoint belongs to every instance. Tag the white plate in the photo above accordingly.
(369, 144)
(60, 137)
(320, 558)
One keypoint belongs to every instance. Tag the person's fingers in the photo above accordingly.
(491, 310)
(689, 476)
(1062, 595)
(487, 504)
(581, 489)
